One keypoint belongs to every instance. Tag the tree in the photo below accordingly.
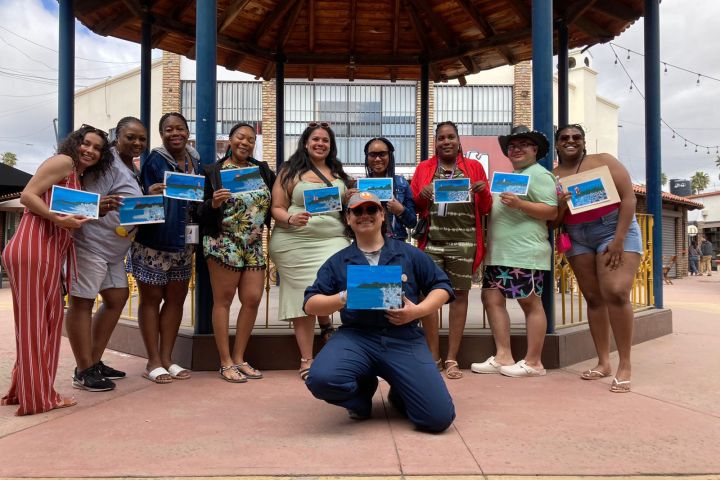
(699, 181)
(9, 158)
(663, 179)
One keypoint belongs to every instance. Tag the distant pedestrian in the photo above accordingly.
(707, 251)
(694, 258)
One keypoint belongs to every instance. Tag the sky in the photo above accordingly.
(28, 83)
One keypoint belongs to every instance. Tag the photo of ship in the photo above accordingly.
(74, 202)
(142, 209)
(320, 200)
(183, 186)
(588, 193)
(374, 287)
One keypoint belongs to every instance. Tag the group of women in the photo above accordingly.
(231, 228)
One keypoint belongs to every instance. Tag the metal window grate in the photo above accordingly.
(482, 110)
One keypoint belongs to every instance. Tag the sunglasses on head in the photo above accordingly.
(369, 209)
(92, 129)
(575, 137)
(318, 124)
(382, 154)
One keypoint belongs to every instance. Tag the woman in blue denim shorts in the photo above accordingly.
(605, 255)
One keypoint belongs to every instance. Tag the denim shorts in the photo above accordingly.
(594, 237)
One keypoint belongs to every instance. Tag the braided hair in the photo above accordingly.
(391, 156)
(228, 152)
(565, 127)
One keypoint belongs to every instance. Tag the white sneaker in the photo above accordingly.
(521, 369)
(488, 366)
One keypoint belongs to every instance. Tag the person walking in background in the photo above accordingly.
(101, 248)
(519, 254)
(380, 162)
(694, 258)
(34, 259)
(454, 239)
(232, 238)
(301, 242)
(707, 251)
(605, 254)
(160, 259)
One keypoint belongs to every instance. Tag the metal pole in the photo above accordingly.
(563, 67)
(279, 112)
(146, 74)
(542, 84)
(66, 69)
(206, 128)
(424, 110)
(652, 139)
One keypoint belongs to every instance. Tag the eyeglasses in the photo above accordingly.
(382, 154)
(520, 146)
(85, 126)
(575, 138)
(369, 209)
(318, 124)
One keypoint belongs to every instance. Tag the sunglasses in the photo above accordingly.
(382, 154)
(318, 124)
(369, 209)
(85, 126)
(520, 146)
(575, 138)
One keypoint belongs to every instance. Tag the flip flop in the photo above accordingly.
(66, 402)
(593, 375)
(175, 370)
(154, 374)
(620, 386)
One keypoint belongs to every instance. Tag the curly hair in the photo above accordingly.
(172, 114)
(299, 162)
(71, 145)
(565, 127)
(391, 156)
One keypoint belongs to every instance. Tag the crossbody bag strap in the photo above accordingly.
(322, 177)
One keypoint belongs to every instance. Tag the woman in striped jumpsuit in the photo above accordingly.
(34, 259)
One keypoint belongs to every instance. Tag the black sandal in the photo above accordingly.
(326, 331)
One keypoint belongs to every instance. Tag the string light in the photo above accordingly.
(665, 67)
(628, 57)
(673, 133)
(695, 148)
(698, 80)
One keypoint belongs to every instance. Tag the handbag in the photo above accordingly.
(562, 241)
(421, 228)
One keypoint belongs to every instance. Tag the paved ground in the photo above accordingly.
(557, 425)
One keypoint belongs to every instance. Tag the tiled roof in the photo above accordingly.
(669, 197)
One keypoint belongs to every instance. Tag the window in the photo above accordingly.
(478, 110)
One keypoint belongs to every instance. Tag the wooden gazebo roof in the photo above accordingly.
(360, 39)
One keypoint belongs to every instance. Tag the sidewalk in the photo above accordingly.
(556, 425)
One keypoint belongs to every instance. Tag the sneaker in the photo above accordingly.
(109, 372)
(357, 415)
(91, 380)
(521, 369)
(488, 366)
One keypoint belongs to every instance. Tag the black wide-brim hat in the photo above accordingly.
(521, 131)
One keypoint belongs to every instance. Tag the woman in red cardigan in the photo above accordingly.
(454, 240)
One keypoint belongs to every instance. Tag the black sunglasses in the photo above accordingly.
(382, 154)
(92, 129)
(369, 209)
(318, 124)
(575, 137)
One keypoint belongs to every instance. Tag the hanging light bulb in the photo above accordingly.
(665, 67)
(673, 133)
(698, 80)
(631, 83)
(685, 143)
(628, 57)
(616, 59)
(708, 152)
(695, 148)
(716, 150)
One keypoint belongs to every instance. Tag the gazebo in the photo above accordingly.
(426, 40)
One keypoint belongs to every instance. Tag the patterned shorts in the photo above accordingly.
(513, 282)
(455, 259)
(157, 267)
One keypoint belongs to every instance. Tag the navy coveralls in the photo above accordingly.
(367, 345)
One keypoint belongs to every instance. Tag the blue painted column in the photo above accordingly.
(205, 134)
(542, 85)
(66, 69)
(424, 110)
(563, 67)
(279, 112)
(146, 75)
(652, 139)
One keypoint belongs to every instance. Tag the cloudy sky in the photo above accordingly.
(28, 82)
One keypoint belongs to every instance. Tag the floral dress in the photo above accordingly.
(239, 245)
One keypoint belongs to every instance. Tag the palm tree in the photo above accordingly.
(663, 179)
(699, 181)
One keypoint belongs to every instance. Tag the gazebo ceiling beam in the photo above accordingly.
(485, 27)
(396, 28)
(83, 6)
(477, 46)
(593, 29)
(576, 10)
(617, 10)
(270, 19)
(110, 24)
(419, 28)
(176, 14)
(311, 26)
(230, 14)
(353, 25)
(347, 59)
(234, 60)
(284, 33)
(447, 35)
(523, 11)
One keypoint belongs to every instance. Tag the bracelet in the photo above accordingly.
(288, 221)
(343, 297)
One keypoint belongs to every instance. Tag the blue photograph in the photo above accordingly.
(382, 187)
(374, 287)
(510, 182)
(587, 193)
(321, 200)
(452, 190)
(74, 202)
(242, 180)
(184, 186)
(142, 209)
